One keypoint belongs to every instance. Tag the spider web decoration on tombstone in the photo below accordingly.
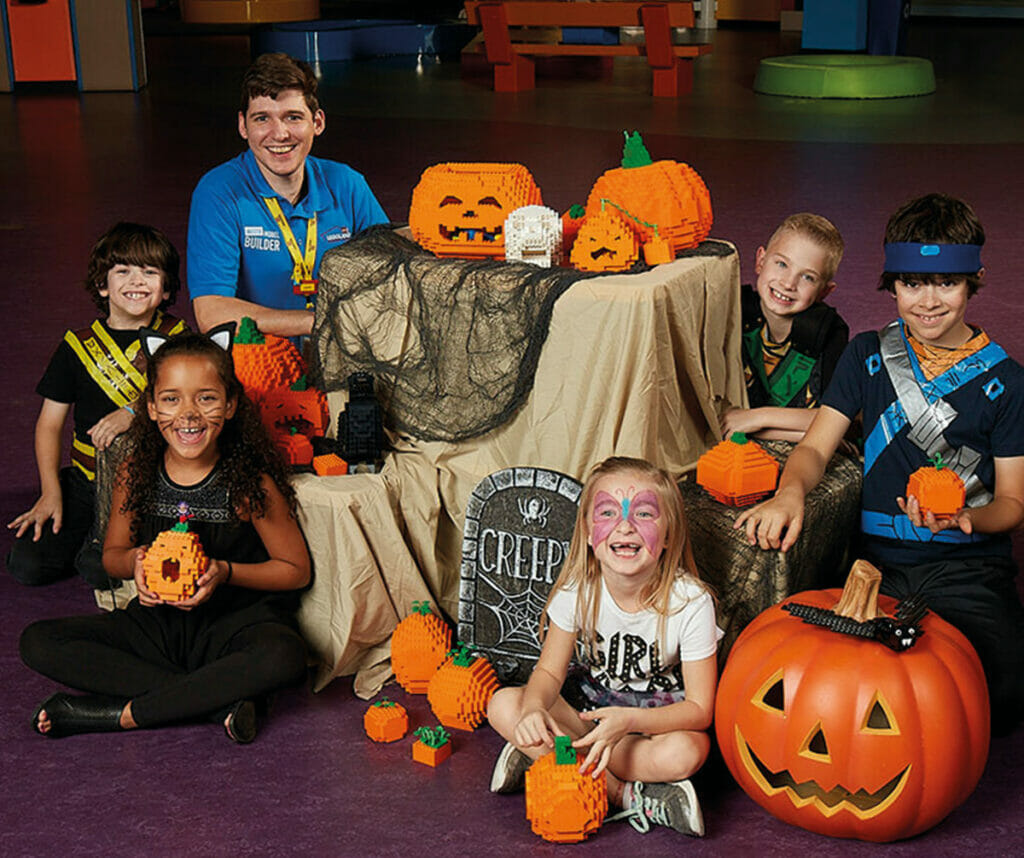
(516, 537)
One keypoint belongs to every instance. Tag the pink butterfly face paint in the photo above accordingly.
(640, 509)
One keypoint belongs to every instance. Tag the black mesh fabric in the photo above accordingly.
(452, 343)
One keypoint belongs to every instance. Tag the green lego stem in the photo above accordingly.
(432, 737)
(180, 527)
(461, 656)
(565, 753)
(248, 334)
(739, 438)
(421, 608)
(630, 215)
(634, 153)
(300, 384)
(384, 703)
(576, 211)
(937, 461)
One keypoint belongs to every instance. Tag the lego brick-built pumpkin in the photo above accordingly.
(737, 471)
(386, 721)
(432, 746)
(461, 688)
(459, 210)
(938, 489)
(844, 736)
(419, 646)
(664, 199)
(293, 415)
(329, 465)
(173, 563)
(562, 805)
(604, 242)
(264, 362)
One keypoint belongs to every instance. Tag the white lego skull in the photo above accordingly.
(534, 234)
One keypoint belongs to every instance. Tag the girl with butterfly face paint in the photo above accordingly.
(629, 605)
(198, 446)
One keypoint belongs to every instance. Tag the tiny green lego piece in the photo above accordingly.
(462, 656)
(421, 608)
(248, 333)
(432, 737)
(634, 153)
(300, 384)
(938, 462)
(576, 211)
(738, 437)
(384, 703)
(181, 527)
(565, 753)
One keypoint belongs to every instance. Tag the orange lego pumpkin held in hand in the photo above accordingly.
(459, 210)
(938, 489)
(563, 805)
(386, 721)
(419, 646)
(461, 688)
(737, 471)
(173, 563)
(845, 736)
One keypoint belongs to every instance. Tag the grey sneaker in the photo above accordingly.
(672, 804)
(510, 770)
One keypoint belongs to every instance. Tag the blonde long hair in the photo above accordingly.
(583, 571)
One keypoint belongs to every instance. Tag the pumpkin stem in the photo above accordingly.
(576, 211)
(421, 608)
(384, 703)
(634, 153)
(565, 753)
(859, 600)
(432, 737)
(461, 656)
(249, 334)
(738, 438)
(937, 461)
(300, 384)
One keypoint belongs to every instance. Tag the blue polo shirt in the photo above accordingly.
(235, 248)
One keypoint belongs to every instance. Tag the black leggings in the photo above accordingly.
(110, 654)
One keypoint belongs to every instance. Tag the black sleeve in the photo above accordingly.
(58, 381)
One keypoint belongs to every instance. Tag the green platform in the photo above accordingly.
(845, 76)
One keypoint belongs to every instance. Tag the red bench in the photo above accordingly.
(671, 65)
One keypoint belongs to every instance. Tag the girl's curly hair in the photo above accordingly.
(246, 452)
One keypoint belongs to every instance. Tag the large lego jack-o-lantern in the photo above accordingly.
(842, 735)
(459, 210)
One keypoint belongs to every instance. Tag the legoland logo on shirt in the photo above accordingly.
(258, 238)
(338, 233)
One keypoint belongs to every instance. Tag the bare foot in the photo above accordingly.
(43, 722)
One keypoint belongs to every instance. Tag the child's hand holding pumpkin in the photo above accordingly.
(961, 519)
(217, 572)
(146, 596)
(535, 728)
(613, 722)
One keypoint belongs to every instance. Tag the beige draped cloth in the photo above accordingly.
(633, 364)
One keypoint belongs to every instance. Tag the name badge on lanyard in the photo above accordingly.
(303, 281)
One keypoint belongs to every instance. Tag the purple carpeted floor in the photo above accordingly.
(312, 784)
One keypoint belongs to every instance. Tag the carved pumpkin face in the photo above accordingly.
(605, 242)
(843, 736)
(460, 209)
(284, 411)
(173, 564)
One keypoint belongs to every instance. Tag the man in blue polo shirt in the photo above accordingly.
(260, 223)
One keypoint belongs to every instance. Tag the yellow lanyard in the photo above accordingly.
(303, 282)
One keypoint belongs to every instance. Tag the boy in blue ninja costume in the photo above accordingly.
(929, 383)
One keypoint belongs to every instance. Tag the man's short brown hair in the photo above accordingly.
(822, 232)
(272, 74)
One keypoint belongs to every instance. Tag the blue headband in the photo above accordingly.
(913, 258)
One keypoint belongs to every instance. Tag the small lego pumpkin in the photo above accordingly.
(938, 489)
(174, 562)
(605, 242)
(419, 646)
(572, 220)
(329, 465)
(461, 688)
(264, 362)
(432, 746)
(665, 199)
(737, 471)
(844, 736)
(563, 805)
(459, 210)
(386, 721)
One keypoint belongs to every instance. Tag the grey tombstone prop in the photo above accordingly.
(518, 525)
